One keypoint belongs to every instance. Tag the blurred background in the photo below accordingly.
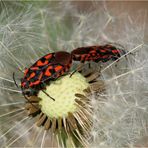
(115, 8)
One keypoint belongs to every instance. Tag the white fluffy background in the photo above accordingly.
(28, 32)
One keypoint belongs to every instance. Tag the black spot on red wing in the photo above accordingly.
(28, 73)
(52, 71)
(83, 53)
(43, 59)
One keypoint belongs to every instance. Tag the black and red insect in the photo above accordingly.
(44, 70)
(97, 54)
(53, 65)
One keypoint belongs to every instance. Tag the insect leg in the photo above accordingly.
(43, 86)
(89, 65)
(77, 69)
(48, 95)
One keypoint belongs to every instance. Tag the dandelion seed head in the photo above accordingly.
(63, 91)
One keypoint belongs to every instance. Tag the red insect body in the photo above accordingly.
(97, 53)
(54, 65)
(49, 67)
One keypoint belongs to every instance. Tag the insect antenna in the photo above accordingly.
(15, 80)
(48, 95)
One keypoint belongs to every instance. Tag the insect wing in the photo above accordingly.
(84, 53)
(52, 71)
(43, 61)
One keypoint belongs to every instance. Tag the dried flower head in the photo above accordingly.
(71, 111)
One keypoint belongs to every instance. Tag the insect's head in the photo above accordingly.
(118, 53)
(24, 85)
(26, 89)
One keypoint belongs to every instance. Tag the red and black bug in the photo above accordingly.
(53, 65)
(44, 70)
(97, 53)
